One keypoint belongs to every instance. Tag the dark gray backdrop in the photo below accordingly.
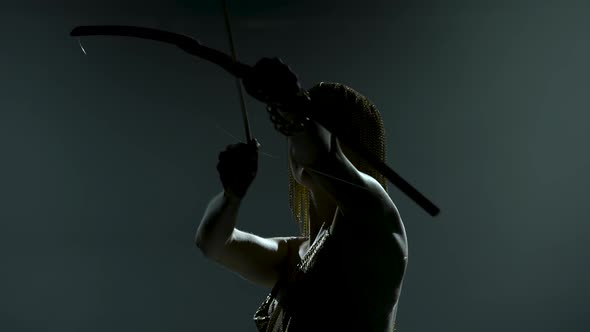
(108, 160)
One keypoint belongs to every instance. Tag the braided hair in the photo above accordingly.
(359, 120)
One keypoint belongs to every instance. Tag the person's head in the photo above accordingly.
(358, 118)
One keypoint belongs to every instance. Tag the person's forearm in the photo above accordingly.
(218, 223)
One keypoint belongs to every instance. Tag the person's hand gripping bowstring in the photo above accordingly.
(237, 167)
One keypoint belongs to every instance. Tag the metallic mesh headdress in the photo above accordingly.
(360, 120)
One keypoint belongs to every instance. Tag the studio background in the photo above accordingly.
(108, 159)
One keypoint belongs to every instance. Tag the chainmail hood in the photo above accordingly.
(361, 122)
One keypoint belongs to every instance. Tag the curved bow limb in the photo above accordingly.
(186, 43)
(244, 71)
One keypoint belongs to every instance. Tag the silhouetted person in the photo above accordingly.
(344, 272)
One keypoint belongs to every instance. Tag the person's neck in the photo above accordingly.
(322, 210)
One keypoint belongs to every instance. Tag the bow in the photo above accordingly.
(243, 71)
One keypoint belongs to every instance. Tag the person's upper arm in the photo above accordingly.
(257, 259)
(357, 194)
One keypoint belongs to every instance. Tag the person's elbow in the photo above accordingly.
(211, 246)
(203, 245)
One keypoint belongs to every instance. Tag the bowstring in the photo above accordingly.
(307, 168)
(237, 139)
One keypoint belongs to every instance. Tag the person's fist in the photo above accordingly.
(237, 167)
(272, 82)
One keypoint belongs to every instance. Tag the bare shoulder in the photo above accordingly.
(376, 233)
(379, 215)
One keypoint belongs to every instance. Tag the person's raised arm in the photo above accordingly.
(218, 223)
(311, 146)
(237, 168)
(257, 259)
